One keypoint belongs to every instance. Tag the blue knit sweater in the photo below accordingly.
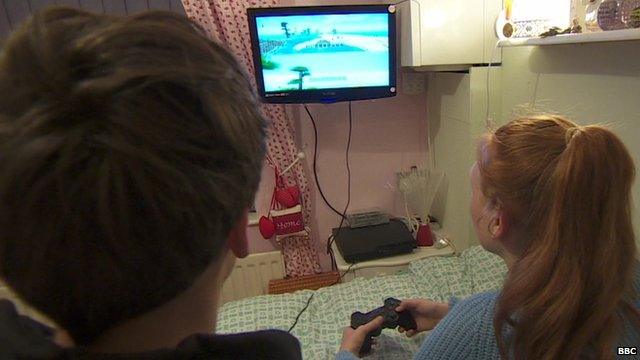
(467, 332)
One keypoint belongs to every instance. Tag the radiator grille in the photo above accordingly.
(251, 275)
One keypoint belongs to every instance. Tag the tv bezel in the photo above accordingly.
(329, 95)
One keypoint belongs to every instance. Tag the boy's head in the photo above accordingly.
(129, 148)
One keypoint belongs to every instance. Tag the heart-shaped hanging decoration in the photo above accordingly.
(295, 193)
(266, 227)
(284, 198)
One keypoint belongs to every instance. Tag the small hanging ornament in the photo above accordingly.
(285, 211)
(295, 193)
(285, 199)
(287, 221)
(266, 227)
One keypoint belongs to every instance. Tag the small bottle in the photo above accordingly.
(610, 15)
(591, 16)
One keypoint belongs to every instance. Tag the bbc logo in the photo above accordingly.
(627, 351)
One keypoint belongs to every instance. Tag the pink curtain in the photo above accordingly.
(226, 22)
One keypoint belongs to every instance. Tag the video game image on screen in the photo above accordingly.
(332, 51)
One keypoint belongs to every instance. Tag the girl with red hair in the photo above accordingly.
(553, 199)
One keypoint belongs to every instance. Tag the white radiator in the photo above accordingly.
(250, 276)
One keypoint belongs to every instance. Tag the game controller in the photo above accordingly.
(392, 319)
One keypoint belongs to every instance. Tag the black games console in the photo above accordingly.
(374, 242)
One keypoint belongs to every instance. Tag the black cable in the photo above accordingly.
(315, 158)
(311, 297)
(332, 238)
(342, 215)
(301, 311)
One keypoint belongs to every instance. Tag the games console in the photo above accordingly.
(392, 319)
(374, 242)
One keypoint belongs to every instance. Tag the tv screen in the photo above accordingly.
(324, 54)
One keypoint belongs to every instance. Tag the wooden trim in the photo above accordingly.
(311, 282)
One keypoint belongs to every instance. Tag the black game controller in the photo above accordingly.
(392, 319)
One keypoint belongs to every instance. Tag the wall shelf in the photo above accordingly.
(602, 36)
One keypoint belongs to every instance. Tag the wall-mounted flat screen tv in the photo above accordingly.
(324, 53)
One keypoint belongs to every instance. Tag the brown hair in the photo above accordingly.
(569, 187)
(129, 147)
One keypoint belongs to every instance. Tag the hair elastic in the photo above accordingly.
(571, 132)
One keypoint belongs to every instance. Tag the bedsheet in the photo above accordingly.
(319, 328)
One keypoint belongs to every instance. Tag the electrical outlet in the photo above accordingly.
(413, 83)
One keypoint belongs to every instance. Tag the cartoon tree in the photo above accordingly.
(286, 29)
(295, 82)
(302, 72)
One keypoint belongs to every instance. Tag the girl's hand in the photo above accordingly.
(427, 314)
(352, 340)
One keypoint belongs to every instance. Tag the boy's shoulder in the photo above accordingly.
(263, 344)
(22, 337)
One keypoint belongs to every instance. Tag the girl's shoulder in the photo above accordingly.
(481, 301)
(465, 333)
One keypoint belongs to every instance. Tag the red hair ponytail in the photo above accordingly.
(570, 188)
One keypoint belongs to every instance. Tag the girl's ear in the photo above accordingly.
(499, 224)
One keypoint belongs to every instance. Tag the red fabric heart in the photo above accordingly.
(266, 227)
(284, 198)
(295, 193)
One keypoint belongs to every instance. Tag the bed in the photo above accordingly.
(319, 328)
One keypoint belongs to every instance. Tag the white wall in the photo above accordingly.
(448, 114)
(590, 83)
(456, 112)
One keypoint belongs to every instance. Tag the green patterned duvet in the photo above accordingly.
(319, 329)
